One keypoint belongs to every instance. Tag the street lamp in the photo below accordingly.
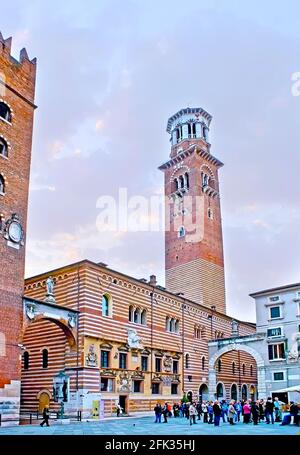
(183, 306)
(210, 316)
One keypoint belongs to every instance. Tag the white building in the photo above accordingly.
(278, 318)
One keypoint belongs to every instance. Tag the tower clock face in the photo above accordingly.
(15, 232)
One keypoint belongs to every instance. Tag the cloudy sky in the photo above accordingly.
(110, 73)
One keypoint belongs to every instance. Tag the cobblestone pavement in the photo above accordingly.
(146, 426)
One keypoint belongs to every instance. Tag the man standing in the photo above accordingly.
(158, 412)
(255, 411)
(204, 411)
(46, 416)
(231, 412)
(277, 408)
(192, 413)
(165, 412)
(217, 413)
(269, 410)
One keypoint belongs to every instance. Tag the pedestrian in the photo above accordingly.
(119, 410)
(204, 411)
(238, 410)
(224, 411)
(277, 408)
(261, 414)
(231, 412)
(217, 413)
(210, 412)
(176, 410)
(294, 410)
(46, 416)
(158, 412)
(192, 413)
(255, 412)
(246, 412)
(269, 410)
(199, 410)
(165, 413)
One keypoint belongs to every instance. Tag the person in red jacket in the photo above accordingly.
(246, 412)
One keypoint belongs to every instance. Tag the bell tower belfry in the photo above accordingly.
(194, 263)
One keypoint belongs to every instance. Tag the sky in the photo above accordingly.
(110, 73)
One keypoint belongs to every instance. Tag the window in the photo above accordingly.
(5, 112)
(2, 184)
(3, 147)
(181, 232)
(174, 389)
(107, 385)
(122, 360)
(205, 180)
(144, 317)
(276, 351)
(274, 332)
(130, 314)
(243, 369)
(105, 305)
(251, 370)
(137, 386)
(144, 363)
(205, 133)
(175, 366)
(219, 365)
(187, 180)
(137, 316)
(45, 358)
(187, 361)
(155, 388)
(203, 363)
(233, 367)
(26, 360)
(172, 325)
(210, 213)
(104, 359)
(157, 364)
(279, 376)
(274, 312)
(274, 298)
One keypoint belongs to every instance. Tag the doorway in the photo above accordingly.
(123, 403)
(203, 393)
(190, 396)
(44, 400)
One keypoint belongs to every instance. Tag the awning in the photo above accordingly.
(295, 388)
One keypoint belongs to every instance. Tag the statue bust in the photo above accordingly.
(134, 341)
(234, 327)
(50, 285)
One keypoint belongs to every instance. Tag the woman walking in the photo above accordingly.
(231, 412)
(247, 412)
(255, 412)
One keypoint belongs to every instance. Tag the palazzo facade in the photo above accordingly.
(136, 344)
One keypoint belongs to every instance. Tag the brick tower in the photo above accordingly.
(17, 88)
(193, 239)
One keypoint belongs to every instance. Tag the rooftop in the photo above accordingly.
(188, 110)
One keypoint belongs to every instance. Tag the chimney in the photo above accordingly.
(153, 280)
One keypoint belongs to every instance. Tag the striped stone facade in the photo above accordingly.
(203, 279)
(81, 287)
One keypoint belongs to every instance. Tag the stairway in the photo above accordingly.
(10, 404)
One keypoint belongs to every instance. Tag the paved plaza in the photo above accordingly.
(146, 426)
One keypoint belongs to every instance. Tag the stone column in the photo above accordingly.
(261, 383)
(212, 384)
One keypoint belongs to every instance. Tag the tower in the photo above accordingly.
(17, 88)
(194, 263)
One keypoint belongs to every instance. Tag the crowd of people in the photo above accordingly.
(247, 411)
